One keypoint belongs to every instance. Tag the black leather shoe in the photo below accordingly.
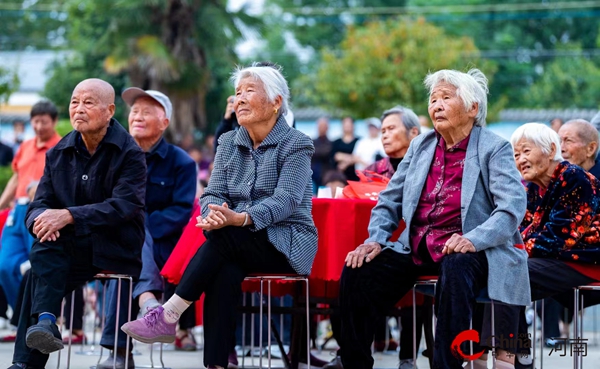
(334, 364)
(44, 337)
(108, 363)
(19, 366)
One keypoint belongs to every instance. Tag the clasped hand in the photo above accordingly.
(365, 252)
(47, 225)
(218, 217)
(458, 243)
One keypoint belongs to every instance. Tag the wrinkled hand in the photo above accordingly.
(219, 217)
(47, 225)
(366, 252)
(458, 243)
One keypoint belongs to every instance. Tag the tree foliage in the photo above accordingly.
(9, 82)
(566, 83)
(26, 24)
(173, 46)
(383, 64)
(521, 41)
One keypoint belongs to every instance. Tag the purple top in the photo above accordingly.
(437, 216)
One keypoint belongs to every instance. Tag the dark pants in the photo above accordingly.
(3, 304)
(548, 278)
(78, 308)
(369, 291)
(218, 270)
(14, 320)
(406, 334)
(57, 268)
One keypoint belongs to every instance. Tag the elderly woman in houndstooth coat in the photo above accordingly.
(256, 213)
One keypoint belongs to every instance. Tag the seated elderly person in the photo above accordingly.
(399, 126)
(561, 223)
(256, 213)
(460, 195)
(579, 145)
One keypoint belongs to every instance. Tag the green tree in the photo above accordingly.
(39, 24)
(520, 37)
(9, 82)
(383, 64)
(175, 46)
(566, 83)
(323, 23)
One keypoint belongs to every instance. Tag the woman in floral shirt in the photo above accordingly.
(561, 223)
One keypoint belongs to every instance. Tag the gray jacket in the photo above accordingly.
(493, 203)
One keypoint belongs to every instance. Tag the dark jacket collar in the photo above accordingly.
(115, 135)
(160, 148)
(278, 132)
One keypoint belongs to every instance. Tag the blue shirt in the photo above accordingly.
(170, 194)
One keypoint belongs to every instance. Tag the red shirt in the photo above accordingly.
(29, 162)
(437, 216)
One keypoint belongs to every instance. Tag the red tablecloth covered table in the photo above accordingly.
(342, 226)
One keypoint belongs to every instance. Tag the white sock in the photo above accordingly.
(174, 308)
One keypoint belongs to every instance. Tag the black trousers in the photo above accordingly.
(218, 270)
(78, 308)
(57, 268)
(548, 278)
(369, 291)
(3, 304)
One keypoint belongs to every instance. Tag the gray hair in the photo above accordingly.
(407, 116)
(271, 78)
(471, 87)
(541, 136)
(586, 132)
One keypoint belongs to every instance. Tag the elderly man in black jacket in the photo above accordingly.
(87, 217)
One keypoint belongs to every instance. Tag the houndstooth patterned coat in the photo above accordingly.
(272, 183)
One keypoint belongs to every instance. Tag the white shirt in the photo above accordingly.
(367, 149)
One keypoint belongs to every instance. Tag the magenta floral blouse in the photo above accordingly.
(437, 216)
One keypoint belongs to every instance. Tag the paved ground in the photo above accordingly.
(83, 358)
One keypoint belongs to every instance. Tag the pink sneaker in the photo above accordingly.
(151, 328)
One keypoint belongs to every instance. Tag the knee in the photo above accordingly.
(350, 284)
(457, 265)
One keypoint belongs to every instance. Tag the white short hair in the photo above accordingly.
(271, 78)
(471, 87)
(541, 136)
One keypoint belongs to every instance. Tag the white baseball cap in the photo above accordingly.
(133, 93)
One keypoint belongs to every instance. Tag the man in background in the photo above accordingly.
(579, 145)
(28, 167)
(321, 159)
(170, 193)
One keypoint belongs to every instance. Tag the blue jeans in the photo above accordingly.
(15, 245)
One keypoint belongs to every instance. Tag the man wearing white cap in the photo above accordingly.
(170, 192)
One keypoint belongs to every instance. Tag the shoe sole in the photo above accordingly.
(160, 339)
(43, 341)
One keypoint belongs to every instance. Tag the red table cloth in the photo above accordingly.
(341, 224)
